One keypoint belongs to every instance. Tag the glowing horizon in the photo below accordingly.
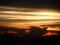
(28, 17)
(33, 15)
(28, 14)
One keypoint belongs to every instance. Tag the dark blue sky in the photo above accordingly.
(31, 3)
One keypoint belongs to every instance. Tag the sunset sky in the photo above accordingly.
(28, 13)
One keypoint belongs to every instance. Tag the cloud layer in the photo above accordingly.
(43, 16)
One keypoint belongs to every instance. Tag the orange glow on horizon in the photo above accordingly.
(27, 31)
(50, 34)
(26, 26)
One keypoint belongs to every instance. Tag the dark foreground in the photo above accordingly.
(10, 39)
(34, 37)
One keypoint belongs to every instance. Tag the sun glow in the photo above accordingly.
(28, 13)
(26, 17)
(33, 15)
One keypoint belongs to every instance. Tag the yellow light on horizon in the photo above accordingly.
(37, 15)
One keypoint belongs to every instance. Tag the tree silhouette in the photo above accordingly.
(37, 31)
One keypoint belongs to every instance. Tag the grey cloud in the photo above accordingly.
(21, 14)
(15, 20)
(5, 8)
